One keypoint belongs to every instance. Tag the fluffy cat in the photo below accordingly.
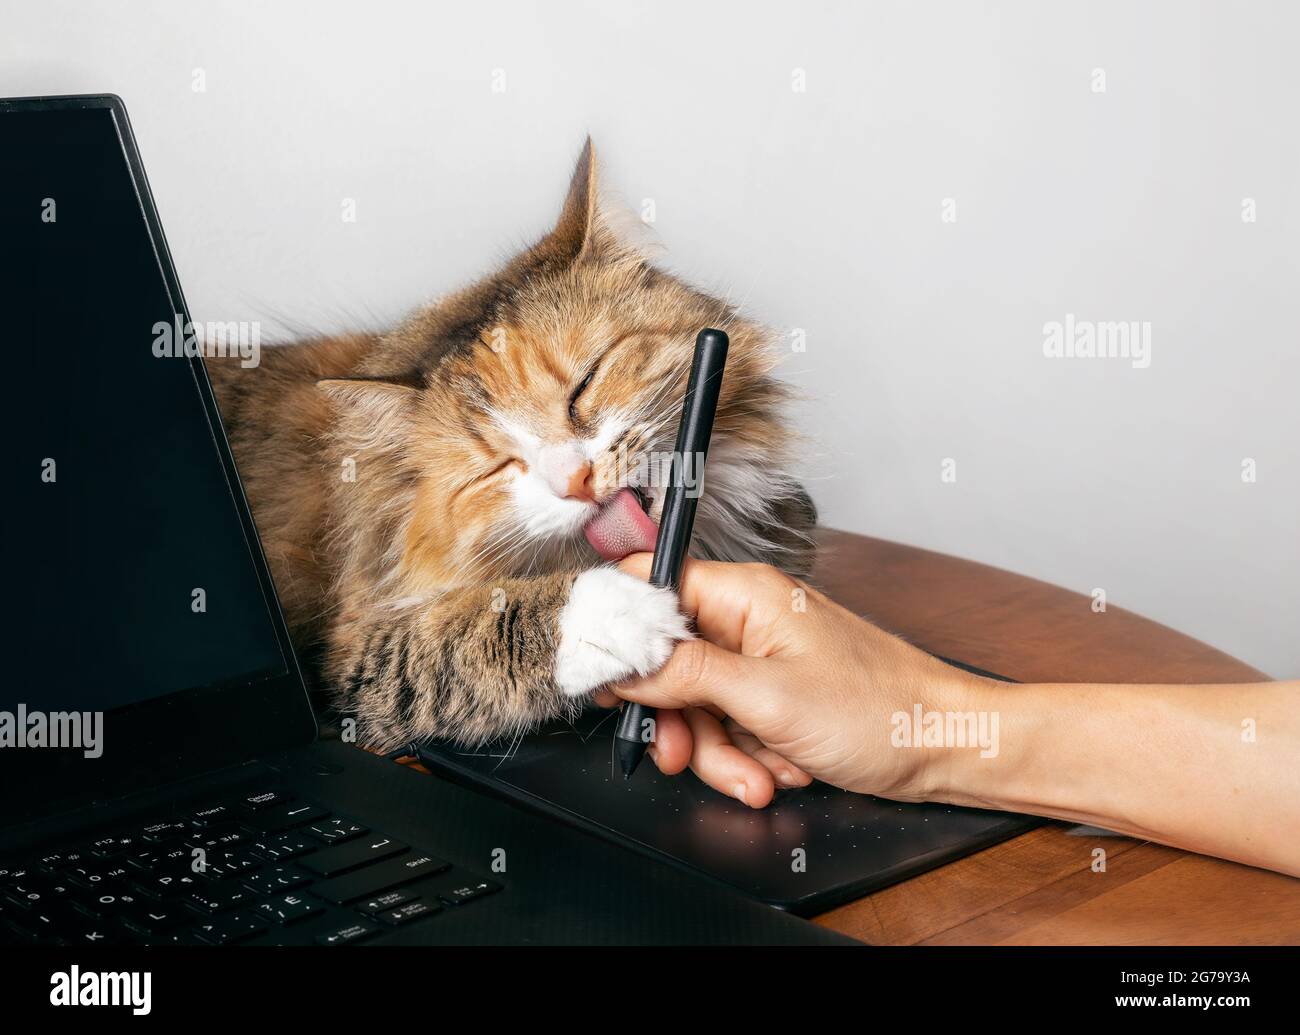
(422, 494)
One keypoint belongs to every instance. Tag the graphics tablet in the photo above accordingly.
(852, 844)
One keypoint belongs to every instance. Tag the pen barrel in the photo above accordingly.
(677, 518)
(686, 473)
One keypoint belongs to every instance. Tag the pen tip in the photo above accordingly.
(629, 756)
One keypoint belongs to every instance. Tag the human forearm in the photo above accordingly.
(1213, 768)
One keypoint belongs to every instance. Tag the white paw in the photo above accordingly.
(614, 626)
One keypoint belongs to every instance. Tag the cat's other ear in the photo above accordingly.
(378, 409)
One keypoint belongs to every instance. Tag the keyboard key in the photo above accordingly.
(97, 874)
(146, 859)
(89, 932)
(227, 929)
(48, 922)
(404, 914)
(333, 831)
(290, 814)
(150, 859)
(34, 890)
(212, 816)
(107, 846)
(220, 865)
(387, 900)
(14, 933)
(164, 830)
(456, 893)
(111, 902)
(356, 931)
(289, 909)
(226, 836)
(56, 860)
(379, 877)
(353, 854)
(166, 885)
(156, 919)
(265, 800)
(169, 856)
(277, 878)
(284, 846)
(285, 817)
(71, 857)
(217, 898)
(186, 936)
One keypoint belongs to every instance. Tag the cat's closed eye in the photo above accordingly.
(582, 387)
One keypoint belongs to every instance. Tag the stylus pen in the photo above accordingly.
(674, 540)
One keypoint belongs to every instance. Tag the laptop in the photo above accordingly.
(162, 773)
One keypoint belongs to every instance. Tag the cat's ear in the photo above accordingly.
(577, 232)
(591, 224)
(382, 408)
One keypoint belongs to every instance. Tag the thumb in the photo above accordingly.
(698, 673)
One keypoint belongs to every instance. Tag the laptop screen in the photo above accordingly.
(123, 543)
(130, 573)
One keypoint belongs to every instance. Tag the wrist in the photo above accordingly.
(983, 731)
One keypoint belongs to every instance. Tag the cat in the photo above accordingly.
(422, 494)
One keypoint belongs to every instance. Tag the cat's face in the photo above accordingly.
(563, 393)
(573, 413)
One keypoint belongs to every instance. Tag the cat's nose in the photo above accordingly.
(568, 473)
(579, 487)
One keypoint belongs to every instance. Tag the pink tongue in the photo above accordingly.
(621, 527)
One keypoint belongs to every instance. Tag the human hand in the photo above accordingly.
(784, 686)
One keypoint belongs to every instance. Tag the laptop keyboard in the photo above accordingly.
(266, 866)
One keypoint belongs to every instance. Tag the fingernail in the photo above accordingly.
(786, 779)
(738, 792)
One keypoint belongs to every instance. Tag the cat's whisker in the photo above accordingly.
(510, 751)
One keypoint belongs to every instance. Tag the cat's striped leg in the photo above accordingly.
(482, 662)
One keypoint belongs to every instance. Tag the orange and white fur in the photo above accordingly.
(422, 494)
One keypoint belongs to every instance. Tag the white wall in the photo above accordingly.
(821, 210)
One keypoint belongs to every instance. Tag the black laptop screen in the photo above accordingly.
(128, 575)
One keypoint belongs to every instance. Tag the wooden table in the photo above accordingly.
(1040, 888)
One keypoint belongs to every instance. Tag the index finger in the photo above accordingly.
(731, 603)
